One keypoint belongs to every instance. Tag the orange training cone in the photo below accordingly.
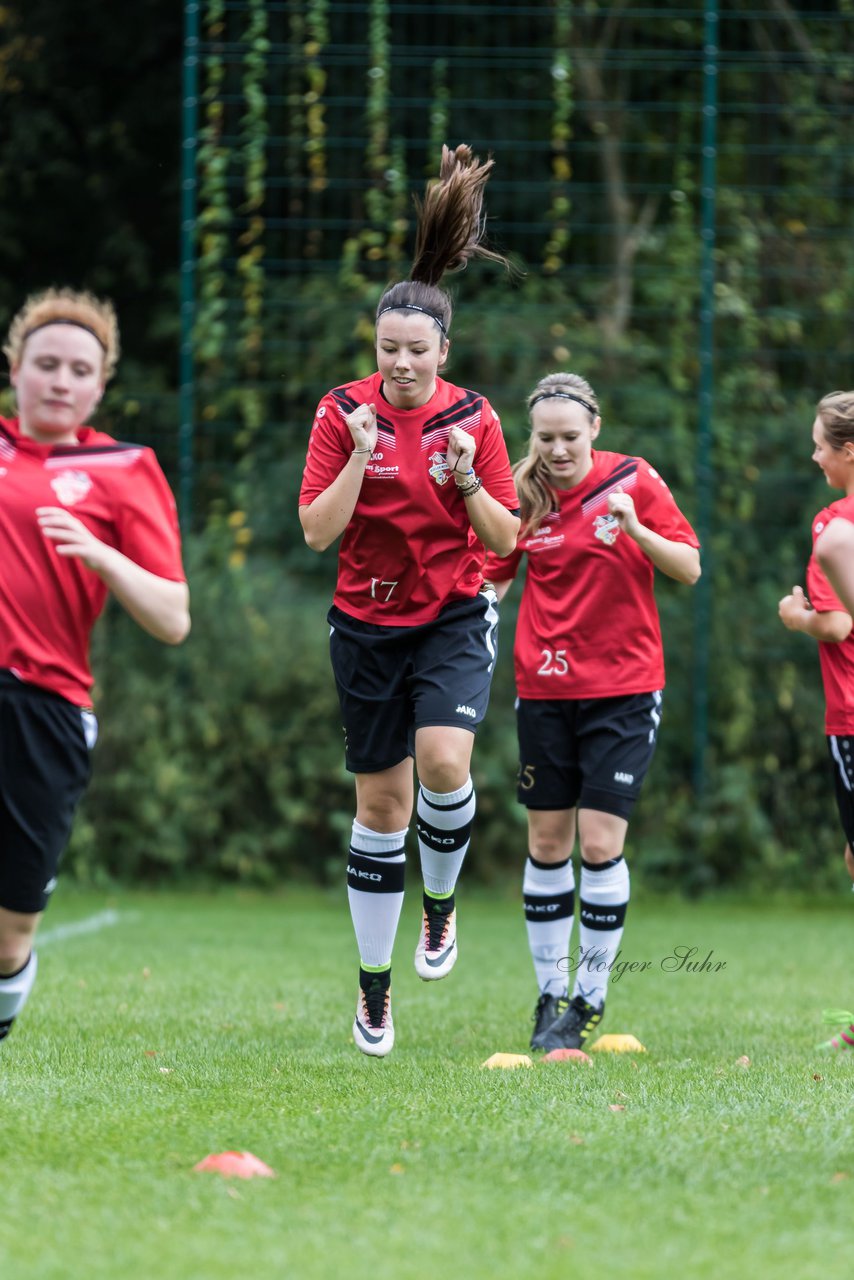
(567, 1055)
(234, 1164)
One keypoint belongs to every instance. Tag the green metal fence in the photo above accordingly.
(675, 180)
(613, 126)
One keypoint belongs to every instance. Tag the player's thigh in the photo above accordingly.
(453, 664)
(616, 744)
(370, 666)
(45, 766)
(549, 776)
(841, 751)
(384, 799)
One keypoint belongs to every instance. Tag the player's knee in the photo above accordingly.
(441, 779)
(17, 933)
(599, 848)
(14, 954)
(384, 812)
(442, 769)
(549, 848)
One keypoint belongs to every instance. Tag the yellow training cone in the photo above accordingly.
(507, 1061)
(617, 1044)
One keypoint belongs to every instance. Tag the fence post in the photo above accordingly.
(189, 144)
(708, 192)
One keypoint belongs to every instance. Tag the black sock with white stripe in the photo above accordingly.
(603, 900)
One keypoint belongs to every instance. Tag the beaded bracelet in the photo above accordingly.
(470, 489)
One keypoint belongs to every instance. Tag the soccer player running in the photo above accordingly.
(589, 677)
(414, 472)
(821, 614)
(81, 515)
(834, 549)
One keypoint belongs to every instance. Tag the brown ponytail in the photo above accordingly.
(451, 227)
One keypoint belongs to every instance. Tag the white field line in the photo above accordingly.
(92, 924)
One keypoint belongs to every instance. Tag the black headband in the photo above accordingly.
(412, 306)
(564, 395)
(61, 320)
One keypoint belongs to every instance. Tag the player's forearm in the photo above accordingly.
(158, 605)
(326, 518)
(677, 559)
(835, 552)
(830, 628)
(496, 527)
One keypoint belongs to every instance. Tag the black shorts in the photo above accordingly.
(44, 768)
(591, 753)
(842, 757)
(394, 680)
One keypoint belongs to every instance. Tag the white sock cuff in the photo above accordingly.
(14, 990)
(364, 840)
(548, 880)
(447, 798)
(611, 884)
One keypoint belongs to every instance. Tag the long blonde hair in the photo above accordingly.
(536, 496)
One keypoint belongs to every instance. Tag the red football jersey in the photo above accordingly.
(588, 624)
(48, 602)
(409, 547)
(837, 660)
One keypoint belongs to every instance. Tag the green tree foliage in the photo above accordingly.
(594, 115)
(90, 163)
(318, 123)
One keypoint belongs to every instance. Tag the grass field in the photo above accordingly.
(183, 1025)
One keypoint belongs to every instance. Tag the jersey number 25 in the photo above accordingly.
(553, 664)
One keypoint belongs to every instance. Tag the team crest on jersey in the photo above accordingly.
(71, 487)
(440, 471)
(606, 529)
